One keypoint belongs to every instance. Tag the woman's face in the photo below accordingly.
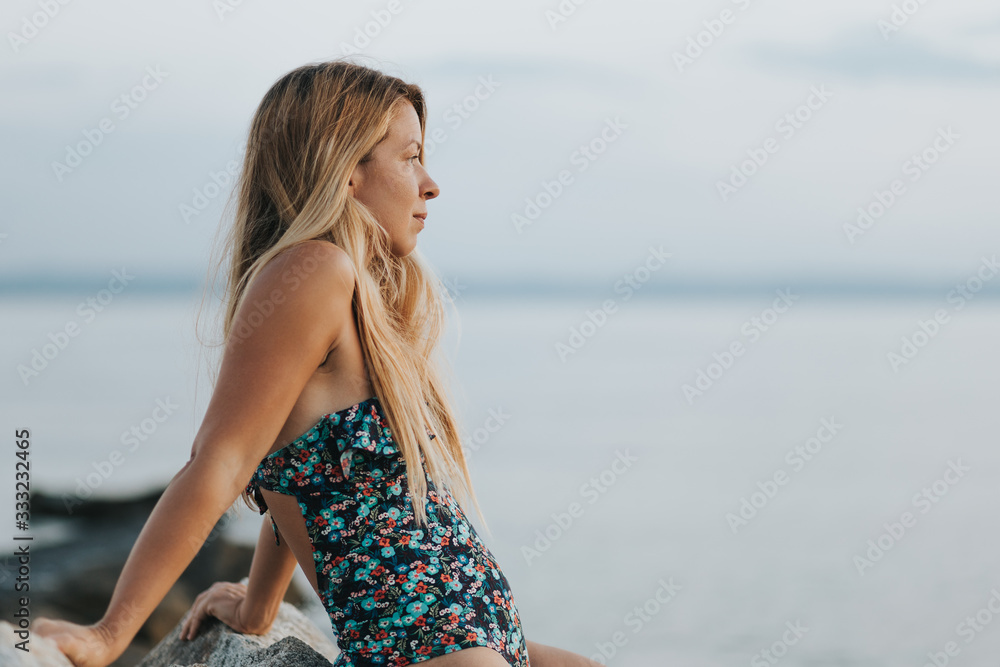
(394, 185)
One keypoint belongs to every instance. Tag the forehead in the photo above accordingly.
(404, 125)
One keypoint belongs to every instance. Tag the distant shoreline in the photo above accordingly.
(46, 285)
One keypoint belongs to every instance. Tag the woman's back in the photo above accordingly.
(338, 494)
(341, 380)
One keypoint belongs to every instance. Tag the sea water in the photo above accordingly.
(653, 497)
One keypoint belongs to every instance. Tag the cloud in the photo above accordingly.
(983, 28)
(866, 55)
(542, 71)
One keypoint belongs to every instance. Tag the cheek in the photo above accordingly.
(404, 185)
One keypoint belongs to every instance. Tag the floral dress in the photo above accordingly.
(396, 594)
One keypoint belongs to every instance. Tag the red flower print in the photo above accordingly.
(354, 574)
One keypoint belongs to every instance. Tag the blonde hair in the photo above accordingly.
(312, 128)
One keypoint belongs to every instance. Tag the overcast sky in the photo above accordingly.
(868, 96)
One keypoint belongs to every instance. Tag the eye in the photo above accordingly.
(415, 157)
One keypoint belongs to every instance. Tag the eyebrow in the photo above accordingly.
(413, 141)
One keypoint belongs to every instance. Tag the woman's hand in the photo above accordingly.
(84, 645)
(224, 601)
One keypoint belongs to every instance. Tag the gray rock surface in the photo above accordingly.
(74, 569)
(292, 640)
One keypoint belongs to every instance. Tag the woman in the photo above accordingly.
(328, 306)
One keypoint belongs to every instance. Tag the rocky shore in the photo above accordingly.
(292, 640)
(73, 575)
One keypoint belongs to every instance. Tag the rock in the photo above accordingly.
(73, 577)
(42, 651)
(293, 640)
(44, 504)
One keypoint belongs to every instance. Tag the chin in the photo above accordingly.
(403, 250)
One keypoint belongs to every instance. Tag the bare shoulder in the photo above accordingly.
(293, 313)
(310, 286)
(327, 264)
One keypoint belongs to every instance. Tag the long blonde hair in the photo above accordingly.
(312, 128)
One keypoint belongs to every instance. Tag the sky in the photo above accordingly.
(740, 136)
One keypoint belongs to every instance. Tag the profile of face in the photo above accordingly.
(393, 184)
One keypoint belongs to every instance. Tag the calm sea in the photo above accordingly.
(804, 496)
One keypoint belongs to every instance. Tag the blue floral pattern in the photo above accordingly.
(395, 594)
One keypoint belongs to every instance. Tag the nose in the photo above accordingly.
(429, 188)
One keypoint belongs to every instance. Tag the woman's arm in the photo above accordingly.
(186, 513)
(270, 573)
(249, 608)
(265, 366)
